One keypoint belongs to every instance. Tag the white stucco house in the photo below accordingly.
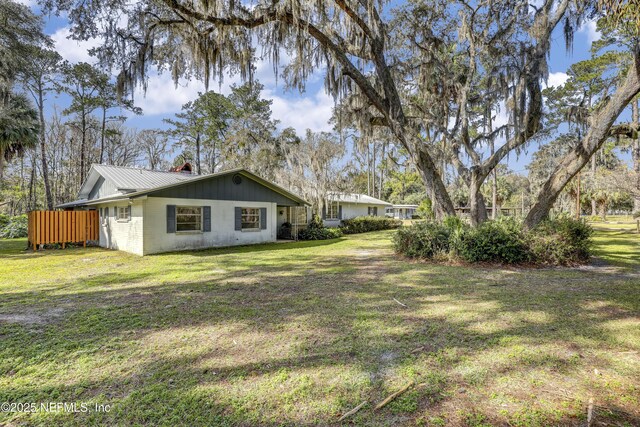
(341, 206)
(146, 212)
(402, 211)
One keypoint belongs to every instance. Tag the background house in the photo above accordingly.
(145, 212)
(402, 211)
(341, 206)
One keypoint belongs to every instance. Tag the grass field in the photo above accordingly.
(300, 333)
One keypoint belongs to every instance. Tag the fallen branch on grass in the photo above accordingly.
(394, 395)
(353, 411)
(404, 305)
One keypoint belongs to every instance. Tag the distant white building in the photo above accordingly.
(341, 206)
(402, 211)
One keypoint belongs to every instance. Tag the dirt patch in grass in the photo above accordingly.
(33, 318)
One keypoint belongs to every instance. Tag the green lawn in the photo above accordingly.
(299, 333)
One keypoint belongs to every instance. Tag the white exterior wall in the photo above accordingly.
(352, 210)
(223, 233)
(123, 235)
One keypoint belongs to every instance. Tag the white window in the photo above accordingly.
(251, 218)
(123, 213)
(188, 218)
(332, 210)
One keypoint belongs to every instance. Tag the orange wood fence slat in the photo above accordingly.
(62, 227)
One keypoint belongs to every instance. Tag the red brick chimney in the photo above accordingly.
(184, 168)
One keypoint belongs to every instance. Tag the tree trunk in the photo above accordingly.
(45, 166)
(31, 202)
(1, 164)
(594, 207)
(494, 181)
(198, 169)
(102, 132)
(636, 154)
(382, 169)
(83, 147)
(575, 160)
(478, 209)
(368, 169)
(441, 202)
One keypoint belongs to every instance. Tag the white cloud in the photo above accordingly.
(28, 3)
(163, 97)
(590, 29)
(556, 79)
(73, 50)
(306, 112)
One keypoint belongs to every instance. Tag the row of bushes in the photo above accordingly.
(12, 227)
(317, 231)
(562, 241)
(363, 224)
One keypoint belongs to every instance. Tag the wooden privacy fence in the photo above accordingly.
(62, 227)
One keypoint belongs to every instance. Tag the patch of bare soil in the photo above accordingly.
(29, 318)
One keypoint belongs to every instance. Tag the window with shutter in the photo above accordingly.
(188, 218)
(171, 218)
(251, 219)
(206, 218)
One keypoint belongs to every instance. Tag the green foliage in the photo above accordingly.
(636, 214)
(404, 187)
(422, 240)
(493, 241)
(19, 126)
(4, 220)
(561, 241)
(363, 224)
(13, 227)
(425, 209)
(453, 222)
(317, 231)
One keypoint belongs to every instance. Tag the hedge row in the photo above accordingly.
(562, 241)
(364, 224)
(361, 224)
(12, 227)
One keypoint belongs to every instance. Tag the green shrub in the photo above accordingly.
(561, 241)
(500, 241)
(363, 224)
(317, 231)
(4, 220)
(422, 240)
(425, 209)
(16, 226)
(453, 222)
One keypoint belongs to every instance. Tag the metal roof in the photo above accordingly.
(357, 198)
(242, 171)
(135, 179)
(133, 182)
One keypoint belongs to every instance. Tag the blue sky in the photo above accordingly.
(311, 109)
